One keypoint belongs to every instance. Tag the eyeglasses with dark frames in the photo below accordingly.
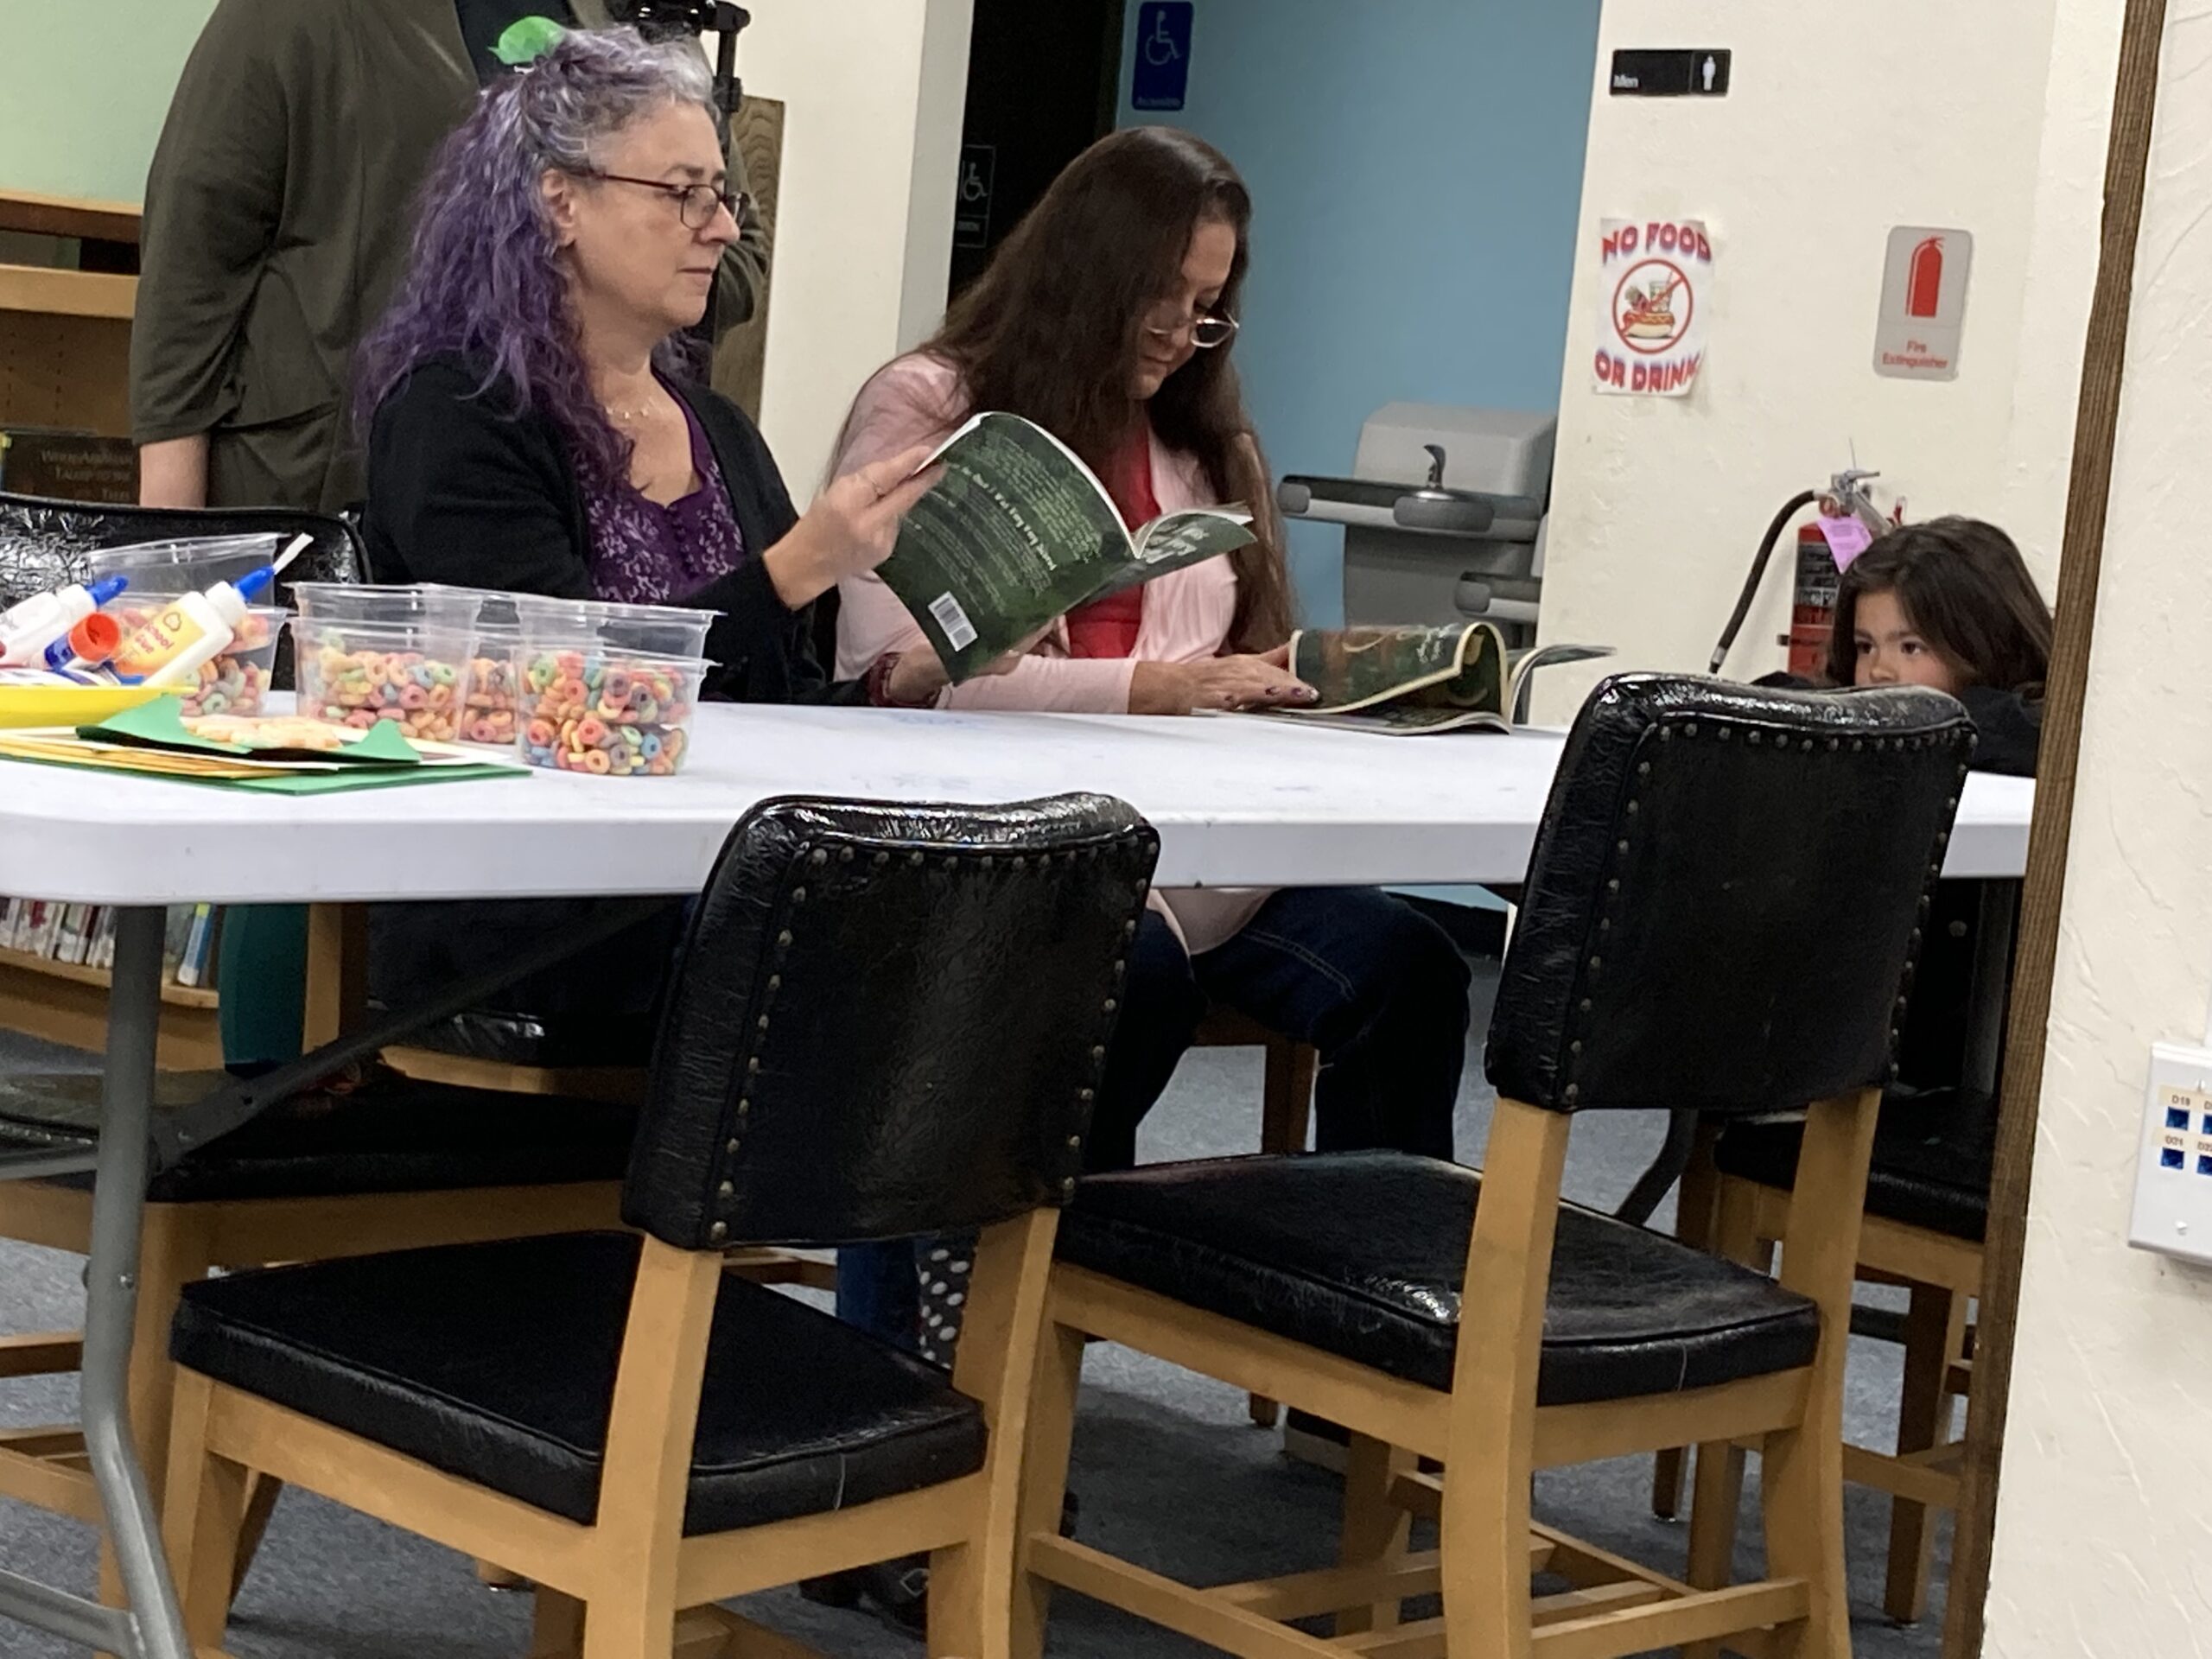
(695, 203)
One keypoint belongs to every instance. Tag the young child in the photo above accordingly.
(1949, 604)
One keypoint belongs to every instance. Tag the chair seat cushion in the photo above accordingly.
(390, 1135)
(496, 1363)
(1362, 1254)
(1932, 1159)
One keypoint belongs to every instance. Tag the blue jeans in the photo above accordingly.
(1378, 988)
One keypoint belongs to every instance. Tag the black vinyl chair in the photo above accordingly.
(886, 1022)
(1725, 896)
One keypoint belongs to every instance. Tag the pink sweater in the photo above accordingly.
(920, 399)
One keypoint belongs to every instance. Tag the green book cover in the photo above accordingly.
(1019, 531)
(1407, 681)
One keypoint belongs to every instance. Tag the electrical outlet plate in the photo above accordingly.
(2173, 1167)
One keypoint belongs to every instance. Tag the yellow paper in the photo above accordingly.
(69, 705)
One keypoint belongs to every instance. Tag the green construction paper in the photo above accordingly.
(526, 39)
(159, 725)
(330, 783)
(306, 783)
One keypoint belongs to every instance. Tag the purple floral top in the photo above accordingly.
(644, 553)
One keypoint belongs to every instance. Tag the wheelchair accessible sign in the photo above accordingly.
(1160, 67)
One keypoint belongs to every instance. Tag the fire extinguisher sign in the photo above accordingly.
(1924, 303)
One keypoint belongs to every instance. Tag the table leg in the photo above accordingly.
(1989, 985)
(111, 1287)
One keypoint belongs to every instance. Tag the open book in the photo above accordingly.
(1405, 681)
(1019, 531)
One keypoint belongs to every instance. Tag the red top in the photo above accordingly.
(1108, 628)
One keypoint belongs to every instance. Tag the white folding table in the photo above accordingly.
(1237, 802)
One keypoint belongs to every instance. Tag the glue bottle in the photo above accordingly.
(26, 630)
(91, 642)
(170, 647)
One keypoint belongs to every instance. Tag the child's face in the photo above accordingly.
(1891, 652)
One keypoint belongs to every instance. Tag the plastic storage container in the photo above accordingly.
(620, 714)
(235, 681)
(649, 630)
(183, 567)
(355, 601)
(490, 714)
(414, 673)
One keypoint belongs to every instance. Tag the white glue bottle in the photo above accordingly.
(26, 630)
(170, 647)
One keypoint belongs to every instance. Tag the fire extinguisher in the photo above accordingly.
(1812, 608)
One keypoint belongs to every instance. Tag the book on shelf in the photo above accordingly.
(83, 935)
(194, 965)
(68, 466)
(69, 934)
(1020, 530)
(1406, 681)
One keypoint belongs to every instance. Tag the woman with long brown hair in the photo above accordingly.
(1108, 317)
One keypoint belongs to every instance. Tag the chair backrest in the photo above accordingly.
(43, 544)
(1725, 896)
(888, 1021)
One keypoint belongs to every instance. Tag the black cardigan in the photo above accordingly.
(464, 491)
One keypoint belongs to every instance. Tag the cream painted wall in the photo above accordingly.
(2107, 1499)
(873, 92)
(1955, 115)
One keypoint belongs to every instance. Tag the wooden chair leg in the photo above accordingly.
(1044, 1479)
(205, 1516)
(1374, 1529)
(260, 1505)
(1489, 1449)
(1800, 1469)
(557, 1629)
(1935, 1333)
(1696, 1217)
(1286, 1116)
(1716, 1504)
(972, 1589)
(633, 1627)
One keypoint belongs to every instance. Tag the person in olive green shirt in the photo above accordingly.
(278, 213)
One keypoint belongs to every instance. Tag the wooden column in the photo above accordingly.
(2096, 422)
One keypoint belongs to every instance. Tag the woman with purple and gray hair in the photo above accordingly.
(530, 425)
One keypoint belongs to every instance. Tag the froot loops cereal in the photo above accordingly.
(489, 715)
(609, 715)
(234, 680)
(358, 676)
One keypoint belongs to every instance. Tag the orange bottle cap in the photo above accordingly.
(94, 640)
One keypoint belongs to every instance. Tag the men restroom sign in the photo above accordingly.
(1655, 286)
(1924, 303)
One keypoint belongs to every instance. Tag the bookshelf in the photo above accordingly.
(67, 1003)
(67, 289)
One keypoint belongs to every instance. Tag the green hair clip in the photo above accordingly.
(527, 40)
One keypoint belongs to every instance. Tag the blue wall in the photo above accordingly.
(1416, 171)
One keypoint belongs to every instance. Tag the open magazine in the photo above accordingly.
(1406, 681)
(1019, 531)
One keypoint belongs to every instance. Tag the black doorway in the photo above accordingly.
(1043, 83)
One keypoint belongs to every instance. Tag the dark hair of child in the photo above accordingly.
(1964, 588)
